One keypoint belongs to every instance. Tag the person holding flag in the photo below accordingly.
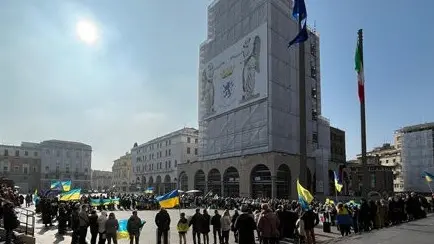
(134, 226)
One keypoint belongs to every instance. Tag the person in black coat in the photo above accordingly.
(234, 218)
(205, 229)
(245, 226)
(196, 221)
(93, 224)
(10, 221)
(162, 220)
(75, 225)
(217, 227)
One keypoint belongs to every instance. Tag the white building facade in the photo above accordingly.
(122, 173)
(65, 160)
(102, 180)
(417, 154)
(155, 162)
(249, 104)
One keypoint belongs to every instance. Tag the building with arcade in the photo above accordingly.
(249, 105)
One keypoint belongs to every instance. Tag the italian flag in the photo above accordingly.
(360, 71)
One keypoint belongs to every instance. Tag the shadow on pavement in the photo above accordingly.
(59, 239)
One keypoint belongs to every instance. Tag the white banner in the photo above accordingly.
(236, 77)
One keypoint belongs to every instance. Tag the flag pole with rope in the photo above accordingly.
(360, 68)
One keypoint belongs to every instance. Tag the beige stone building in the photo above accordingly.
(122, 172)
(101, 180)
(155, 163)
(21, 164)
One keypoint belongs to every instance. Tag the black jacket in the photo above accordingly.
(215, 221)
(162, 220)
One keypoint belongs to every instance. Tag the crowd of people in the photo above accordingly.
(9, 199)
(263, 220)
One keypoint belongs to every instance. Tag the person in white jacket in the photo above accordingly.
(300, 230)
(226, 226)
(101, 227)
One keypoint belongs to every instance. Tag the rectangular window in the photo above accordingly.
(188, 139)
(195, 151)
(373, 181)
(17, 153)
(170, 152)
(26, 153)
(188, 150)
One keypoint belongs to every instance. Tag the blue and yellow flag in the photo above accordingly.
(122, 229)
(169, 200)
(115, 201)
(66, 185)
(304, 196)
(35, 197)
(428, 177)
(95, 202)
(55, 185)
(106, 202)
(338, 182)
(149, 190)
(72, 195)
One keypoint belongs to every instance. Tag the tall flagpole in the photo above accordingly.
(366, 184)
(302, 111)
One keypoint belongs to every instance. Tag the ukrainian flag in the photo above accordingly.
(122, 229)
(169, 200)
(66, 185)
(71, 195)
(35, 197)
(95, 202)
(338, 183)
(304, 196)
(106, 202)
(149, 190)
(115, 201)
(428, 177)
(55, 185)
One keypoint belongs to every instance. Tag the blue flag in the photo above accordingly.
(299, 11)
(302, 36)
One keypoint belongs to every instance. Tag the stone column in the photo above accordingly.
(222, 187)
(273, 186)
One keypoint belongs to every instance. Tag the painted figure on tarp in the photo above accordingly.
(251, 52)
(208, 89)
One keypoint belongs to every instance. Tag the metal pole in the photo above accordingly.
(302, 111)
(366, 185)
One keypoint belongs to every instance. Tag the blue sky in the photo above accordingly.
(140, 80)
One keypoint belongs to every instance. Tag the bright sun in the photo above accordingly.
(87, 32)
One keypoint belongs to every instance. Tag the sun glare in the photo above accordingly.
(87, 32)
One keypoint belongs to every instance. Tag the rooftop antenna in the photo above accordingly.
(314, 26)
